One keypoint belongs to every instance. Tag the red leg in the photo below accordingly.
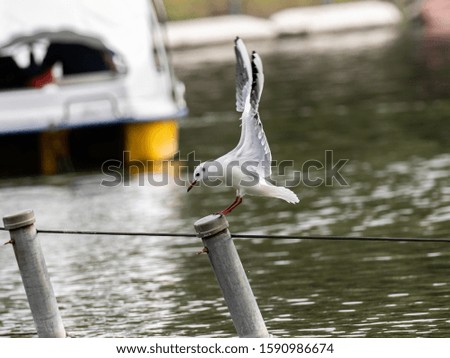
(235, 203)
(226, 211)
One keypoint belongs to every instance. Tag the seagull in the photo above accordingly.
(247, 166)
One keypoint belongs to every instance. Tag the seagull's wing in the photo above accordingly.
(257, 81)
(243, 74)
(253, 145)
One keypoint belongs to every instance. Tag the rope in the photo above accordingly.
(246, 236)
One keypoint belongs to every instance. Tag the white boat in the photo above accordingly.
(70, 64)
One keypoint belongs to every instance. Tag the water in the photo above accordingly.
(381, 101)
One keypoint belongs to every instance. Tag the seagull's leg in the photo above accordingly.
(239, 201)
(229, 208)
(235, 203)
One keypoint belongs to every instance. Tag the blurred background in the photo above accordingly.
(182, 10)
(368, 80)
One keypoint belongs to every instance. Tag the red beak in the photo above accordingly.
(192, 185)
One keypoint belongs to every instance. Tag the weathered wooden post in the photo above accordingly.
(35, 278)
(230, 274)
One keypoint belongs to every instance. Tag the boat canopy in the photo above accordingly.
(122, 26)
(68, 63)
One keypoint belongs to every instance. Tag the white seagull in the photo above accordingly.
(247, 166)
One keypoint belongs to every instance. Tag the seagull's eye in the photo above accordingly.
(197, 175)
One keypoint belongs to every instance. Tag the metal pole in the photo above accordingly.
(35, 278)
(230, 274)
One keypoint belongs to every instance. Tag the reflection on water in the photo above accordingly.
(381, 106)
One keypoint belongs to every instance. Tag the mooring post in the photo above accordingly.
(230, 274)
(35, 278)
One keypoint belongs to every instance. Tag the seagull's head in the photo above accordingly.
(199, 175)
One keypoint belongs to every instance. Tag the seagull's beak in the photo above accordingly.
(192, 185)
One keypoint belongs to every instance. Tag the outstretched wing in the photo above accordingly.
(253, 146)
(257, 82)
(243, 74)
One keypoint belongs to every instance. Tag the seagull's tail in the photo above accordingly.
(281, 193)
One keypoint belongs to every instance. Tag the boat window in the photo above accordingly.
(11, 75)
(69, 58)
(77, 58)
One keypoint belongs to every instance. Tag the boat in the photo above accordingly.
(85, 81)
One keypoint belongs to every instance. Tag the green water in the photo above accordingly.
(380, 100)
